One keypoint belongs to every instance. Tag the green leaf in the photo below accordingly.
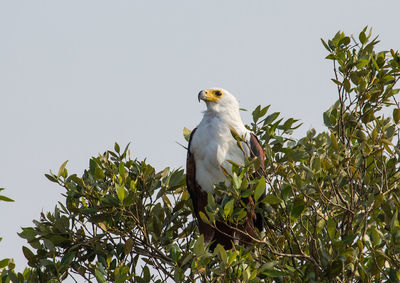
(99, 273)
(211, 199)
(331, 57)
(116, 147)
(327, 120)
(132, 186)
(271, 118)
(28, 233)
(297, 210)
(347, 85)
(396, 115)
(29, 255)
(273, 273)
(345, 40)
(4, 262)
(62, 168)
(236, 181)
(264, 111)
(222, 253)
(362, 37)
(375, 236)
(4, 198)
(387, 78)
(198, 247)
(334, 142)
(13, 277)
(394, 223)
(186, 134)
(235, 134)
(121, 169)
(316, 163)
(120, 192)
(256, 114)
(362, 63)
(349, 239)
(51, 177)
(11, 264)
(271, 199)
(98, 173)
(96, 170)
(375, 64)
(331, 228)
(68, 258)
(390, 131)
(228, 208)
(288, 124)
(179, 275)
(204, 218)
(336, 82)
(320, 225)
(146, 274)
(128, 246)
(325, 45)
(239, 214)
(260, 189)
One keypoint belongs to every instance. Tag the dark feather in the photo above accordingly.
(198, 196)
(257, 151)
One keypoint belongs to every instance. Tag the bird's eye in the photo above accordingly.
(218, 93)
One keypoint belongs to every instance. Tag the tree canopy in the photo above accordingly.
(331, 204)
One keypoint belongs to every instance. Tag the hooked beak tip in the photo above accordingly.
(199, 95)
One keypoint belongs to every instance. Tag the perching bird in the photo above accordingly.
(211, 145)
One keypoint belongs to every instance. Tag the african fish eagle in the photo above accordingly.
(211, 146)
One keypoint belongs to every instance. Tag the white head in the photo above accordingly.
(219, 100)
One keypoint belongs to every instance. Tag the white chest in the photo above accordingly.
(212, 145)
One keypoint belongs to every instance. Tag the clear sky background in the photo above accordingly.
(76, 76)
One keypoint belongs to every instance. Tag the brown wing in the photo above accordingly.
(191, 175)
(197, 195)
(257, 150)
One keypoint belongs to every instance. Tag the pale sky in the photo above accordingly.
(76, 76)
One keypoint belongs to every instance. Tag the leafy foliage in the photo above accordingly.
(117, 217)
(331, 207)
(7, 265)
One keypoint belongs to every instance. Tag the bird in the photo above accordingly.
(211, 148)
